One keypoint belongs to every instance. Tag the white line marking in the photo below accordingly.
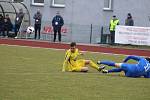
(62, 49)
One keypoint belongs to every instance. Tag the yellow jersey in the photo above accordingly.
(71, 61)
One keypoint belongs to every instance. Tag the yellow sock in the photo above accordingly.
(93, 65)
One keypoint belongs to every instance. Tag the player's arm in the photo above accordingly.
(132, 57)
(67, 56)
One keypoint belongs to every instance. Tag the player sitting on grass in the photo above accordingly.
(141, 68)
(73, 64)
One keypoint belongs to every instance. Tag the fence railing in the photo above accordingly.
(75, 32)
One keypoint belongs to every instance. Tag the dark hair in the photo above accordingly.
(72, 44)
(130, 16)
(148, 59)
(114, 15)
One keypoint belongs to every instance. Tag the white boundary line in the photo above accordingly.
(62, 49)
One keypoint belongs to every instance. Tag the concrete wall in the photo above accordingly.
(86, 12)
(138, 8)
(83, 12)
(80, 14)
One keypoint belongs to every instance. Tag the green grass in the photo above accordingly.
(35, 74)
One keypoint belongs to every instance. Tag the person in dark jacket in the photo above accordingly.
(57, 23)
(37, 25)
(7, 25)
(1, 25)
(129, 21)
(18, 21)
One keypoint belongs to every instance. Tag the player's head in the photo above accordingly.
(148, 59)
(72, 46)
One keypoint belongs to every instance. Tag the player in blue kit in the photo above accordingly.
(141, 68)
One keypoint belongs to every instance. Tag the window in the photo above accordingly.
(107, 5)
(58, 3)
(38, 2)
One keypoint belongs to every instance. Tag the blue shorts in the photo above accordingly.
(128, 67)
(130, 70)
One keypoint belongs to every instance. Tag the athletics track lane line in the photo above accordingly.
(93, 48)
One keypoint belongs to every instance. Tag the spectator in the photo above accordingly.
(57, 23)
(37, 25)
(113, 22)
(18, 21)
(7, 25)
(129, 21)
(1, 25)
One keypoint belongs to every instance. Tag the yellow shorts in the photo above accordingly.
(78, 66)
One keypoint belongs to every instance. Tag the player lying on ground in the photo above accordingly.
(73, 64)
(141, 68)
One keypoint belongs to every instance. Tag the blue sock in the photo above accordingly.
(109, 63)
(115, 70)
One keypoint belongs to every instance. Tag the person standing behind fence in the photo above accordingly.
(18, 21)
(37, 25)
(7, 25)
(113, 23)
(129, 21)
(1, 25)
(57, 23)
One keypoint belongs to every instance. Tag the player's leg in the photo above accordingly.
(118, 69)
(80, 69)
(112, 70)
(84, 69)
(80, 66)
(110, 63)
(119, 66)
(93, 65)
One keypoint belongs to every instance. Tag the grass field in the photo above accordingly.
(35, 74)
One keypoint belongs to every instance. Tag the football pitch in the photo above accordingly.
(35, 74)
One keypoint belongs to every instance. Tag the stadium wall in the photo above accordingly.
(80, 14)
(86, 12)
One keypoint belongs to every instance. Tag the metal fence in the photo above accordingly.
(74, 32)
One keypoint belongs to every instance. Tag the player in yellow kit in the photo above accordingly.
(73, 64)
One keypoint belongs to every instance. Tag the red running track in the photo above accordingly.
(84, 47)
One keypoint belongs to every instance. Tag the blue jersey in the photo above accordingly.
(142, 68)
